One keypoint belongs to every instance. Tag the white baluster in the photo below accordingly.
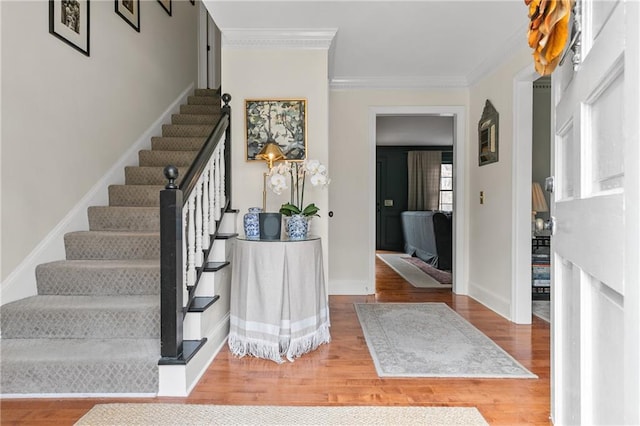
(191, 243)
(219, 206)
(205, 209)
(212, 195)
(223, 171)
(198, 215)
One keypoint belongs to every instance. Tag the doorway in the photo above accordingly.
(209, 50)
(460, 284)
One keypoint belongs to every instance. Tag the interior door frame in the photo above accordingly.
(521, 195)
(208, 50)
(460, 249)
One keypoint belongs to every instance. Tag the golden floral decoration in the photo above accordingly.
(548, 32)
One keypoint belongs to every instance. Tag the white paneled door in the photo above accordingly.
(596, 195)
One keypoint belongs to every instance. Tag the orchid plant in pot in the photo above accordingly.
(294, 176)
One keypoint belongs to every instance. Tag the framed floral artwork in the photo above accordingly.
(129, 10)
(283, 121)
(69, 21)
(166, 5)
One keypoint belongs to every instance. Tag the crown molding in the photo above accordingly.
(278, 38)
(514, 44)
(423, 82)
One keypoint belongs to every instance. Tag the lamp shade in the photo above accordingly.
(538, 202)
(270, 152)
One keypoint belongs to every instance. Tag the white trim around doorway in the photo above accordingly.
(460, 247)
(521, 196)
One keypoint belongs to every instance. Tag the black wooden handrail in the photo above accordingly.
(192, 175)
(172, 347)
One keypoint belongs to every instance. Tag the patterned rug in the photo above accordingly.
(431, 340)
(541, 309)
(413, 274)
(194, 414)
(443, 277)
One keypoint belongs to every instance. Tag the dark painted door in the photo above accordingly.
(391, 197)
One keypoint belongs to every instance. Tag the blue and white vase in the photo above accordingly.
(297, 227)
(252, 223)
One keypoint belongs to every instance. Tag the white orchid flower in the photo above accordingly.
(296, 172)
(277, 183)
(319, 179)
(311, 166)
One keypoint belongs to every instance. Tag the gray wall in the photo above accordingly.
(541, 158)
(67, 118)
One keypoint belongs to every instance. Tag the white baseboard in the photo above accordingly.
(493, 301)
(350, 287)
(21, 282)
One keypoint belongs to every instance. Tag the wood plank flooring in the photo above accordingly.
(342, 372)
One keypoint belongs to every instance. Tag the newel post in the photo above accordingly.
(171, 313)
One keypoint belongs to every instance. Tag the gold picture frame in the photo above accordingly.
(283, 121)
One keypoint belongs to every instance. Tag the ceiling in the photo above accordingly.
(392, 44)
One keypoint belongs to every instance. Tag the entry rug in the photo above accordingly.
(192, 414)
(431, 340)
(411, 273)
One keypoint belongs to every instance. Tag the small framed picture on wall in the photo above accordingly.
(129, 10)
(69, 21)
(166, 5)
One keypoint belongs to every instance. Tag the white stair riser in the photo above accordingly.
(200, 324)
(222, 250)
(211, 281)
(229, 223)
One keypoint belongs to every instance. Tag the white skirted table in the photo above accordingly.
(279, 304)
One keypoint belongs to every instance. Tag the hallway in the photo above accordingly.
(342, 372)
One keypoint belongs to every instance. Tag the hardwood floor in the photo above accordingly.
(342, 372)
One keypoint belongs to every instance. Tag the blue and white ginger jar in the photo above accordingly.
(252, 223)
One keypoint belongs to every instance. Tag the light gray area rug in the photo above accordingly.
(191, 414)
(541, 309)
(431, 340)
(414, 275)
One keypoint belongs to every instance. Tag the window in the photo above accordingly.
(446, 187)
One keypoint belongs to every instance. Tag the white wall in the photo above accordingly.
(350, 197)
(490, 224)
(67, 117)
(277, 74)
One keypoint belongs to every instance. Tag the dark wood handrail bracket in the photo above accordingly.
(173, 203)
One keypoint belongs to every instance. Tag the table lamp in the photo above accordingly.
(270, 153)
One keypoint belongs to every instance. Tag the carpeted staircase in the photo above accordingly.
(94, 326)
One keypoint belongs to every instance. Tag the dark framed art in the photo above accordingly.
(283, 121)
(69, 21)
(166, 5)
(129, 10)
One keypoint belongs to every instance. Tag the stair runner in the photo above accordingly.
(94, 326)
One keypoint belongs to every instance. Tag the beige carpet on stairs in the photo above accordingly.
(94, 326)
(192, 414)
